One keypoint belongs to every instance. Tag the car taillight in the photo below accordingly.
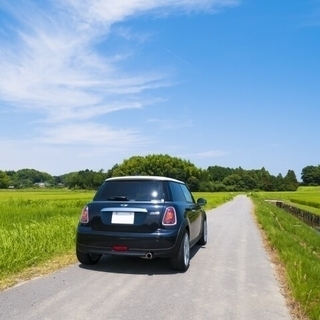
(169, 217)
(119, 248)
(84, 215)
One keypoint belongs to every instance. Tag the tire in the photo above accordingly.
(181, 260)
(204, 235)
(88, 258)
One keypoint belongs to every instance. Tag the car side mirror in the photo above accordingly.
(201, 201)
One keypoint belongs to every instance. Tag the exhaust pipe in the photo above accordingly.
(149, 255)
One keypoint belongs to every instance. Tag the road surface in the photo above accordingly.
(229, 278)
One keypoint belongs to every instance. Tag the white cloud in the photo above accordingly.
(53, 61)
(53, 64)
(111, 11)
(91, 134)
(50, 65)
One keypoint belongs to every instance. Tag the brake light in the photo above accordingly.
(84, 215)
(119, 248)
(169, 217)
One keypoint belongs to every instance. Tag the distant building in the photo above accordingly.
(40, 184)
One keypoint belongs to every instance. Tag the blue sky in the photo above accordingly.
(85, 84)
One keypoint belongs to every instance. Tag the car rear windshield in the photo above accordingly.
(128, 190)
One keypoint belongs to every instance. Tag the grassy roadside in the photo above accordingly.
(214, 199)
(38, 269)
(37, 230)
(298, 247)
(307, 199)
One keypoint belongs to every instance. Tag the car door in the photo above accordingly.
(184, 199)
(194, 213)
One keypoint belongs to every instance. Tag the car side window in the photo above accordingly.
(177, 193)
(187, 193)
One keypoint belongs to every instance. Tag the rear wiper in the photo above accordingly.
(118, 198)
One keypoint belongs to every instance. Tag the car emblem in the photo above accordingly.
(123, 205)
(154, 213)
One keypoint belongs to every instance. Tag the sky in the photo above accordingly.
(87, 84)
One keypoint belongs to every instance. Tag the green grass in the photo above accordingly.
(307, 199)
(36, 226)
(26, 244)
(298, 246)
(44, 194)
(214, 199)
(307, 188)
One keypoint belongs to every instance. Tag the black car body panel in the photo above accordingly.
(126, 216)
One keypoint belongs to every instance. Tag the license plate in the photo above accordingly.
(122, 217)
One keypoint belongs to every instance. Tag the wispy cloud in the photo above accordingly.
(54, 53)
(177, 57)
(54, 62)
(109, 12)
(91, 134)
(50, 63)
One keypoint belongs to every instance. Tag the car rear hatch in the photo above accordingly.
(128, 205)
(115, 216)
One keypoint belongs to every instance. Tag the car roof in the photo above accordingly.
(158, 178)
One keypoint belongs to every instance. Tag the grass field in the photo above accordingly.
(306, 198)
(298, 247)
(297, 244)
(37, 230)
(214, 199)
(39, 225)
(36, 226)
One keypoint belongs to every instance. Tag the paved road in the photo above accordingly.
(230, 278)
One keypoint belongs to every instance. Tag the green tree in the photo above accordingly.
(85, 179)
(218, 173)
(264, 180)
(233, 182)
(311, 175)
(71, 180)
(158, 165)
(219, 187)
(4, 180)
(290, 181)
(249, 181)
(28, 177)
(207, 186)
(278, 182)
(193, 184)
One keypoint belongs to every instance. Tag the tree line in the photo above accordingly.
(213, 179)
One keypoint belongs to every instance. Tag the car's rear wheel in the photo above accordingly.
(88, 258)
(181, 260)
(204, 236)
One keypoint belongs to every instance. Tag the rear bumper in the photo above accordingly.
(162, 243)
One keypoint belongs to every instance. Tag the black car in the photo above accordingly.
(142, 216)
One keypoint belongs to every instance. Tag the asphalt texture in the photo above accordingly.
(229, 278)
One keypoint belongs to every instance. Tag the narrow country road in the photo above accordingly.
(230, 278)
